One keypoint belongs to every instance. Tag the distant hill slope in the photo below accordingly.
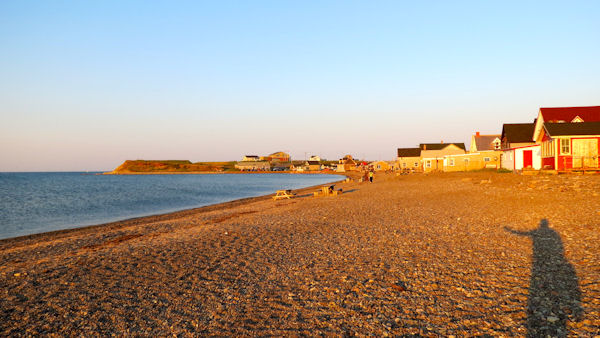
(144, 166)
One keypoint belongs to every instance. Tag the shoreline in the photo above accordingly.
(54, 234)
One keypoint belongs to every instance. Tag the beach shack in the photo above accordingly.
(347, 163)
(409, 159)
(279, 156)
(380, 166)
(312, 165)
(518, 148)
(432, 154)
(471, 161)
(570, 146)
(568, 137)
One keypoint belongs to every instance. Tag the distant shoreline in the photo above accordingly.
(223, 172)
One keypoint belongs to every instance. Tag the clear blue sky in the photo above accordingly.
(85, 85)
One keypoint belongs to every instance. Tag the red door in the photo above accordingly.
(527, 158)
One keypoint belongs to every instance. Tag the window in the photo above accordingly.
(486, 159)
(565, 146)
(404, 165)
(451, 162)
(466, 162)
(416, 164)
(427, 164)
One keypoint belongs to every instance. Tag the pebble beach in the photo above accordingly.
(454, 254)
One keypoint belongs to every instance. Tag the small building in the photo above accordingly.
(518, 148)
(481, 143)
(251, 158)
(279, 156)
(347, 163)
(315, 158)
(380, 166)
(312, 166)
(432, 154)
(409, 159)
(568, 146)
(471, 161)
(253, 166)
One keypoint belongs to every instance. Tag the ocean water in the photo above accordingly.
(39, 202)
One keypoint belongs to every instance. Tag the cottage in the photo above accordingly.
(518, 149)
(279, 156)
(471, 161)
(312, 166)
(409, 159)
(569, 146)
(432, 154)
(568, 137)
(481, 143)
(315, 158)
(381, 166)
(347, 163)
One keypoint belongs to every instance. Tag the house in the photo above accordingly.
(312, 166)
(409, 159)
(481, 143)
(347, 163)
(381, 166)
(253, 165)
(471, 161)
(568, 146)
(518, 148)
(279, 156)
(251, 158)
(315, 158)
(432, 154)
(568, 137)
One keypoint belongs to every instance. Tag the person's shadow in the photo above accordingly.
(554, 294)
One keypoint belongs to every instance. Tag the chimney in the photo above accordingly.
(424, 147)
(477, 134)
(442, 141)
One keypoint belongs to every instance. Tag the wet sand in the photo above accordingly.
(441, 254)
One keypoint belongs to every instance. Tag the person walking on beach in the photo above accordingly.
(371, 176)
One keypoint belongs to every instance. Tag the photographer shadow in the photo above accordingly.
(554, 294)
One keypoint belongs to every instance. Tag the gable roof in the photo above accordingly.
(409, 152)
(484, 142)
(518, 132)
(439, 146)
(576, 128)
(313, 162)
(567, 114)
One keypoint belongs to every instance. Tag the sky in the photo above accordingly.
(86, 85)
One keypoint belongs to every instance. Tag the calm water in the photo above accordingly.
(40, 202)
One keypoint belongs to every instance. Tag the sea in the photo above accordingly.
(33, 203)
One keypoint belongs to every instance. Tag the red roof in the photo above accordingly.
(567, 114)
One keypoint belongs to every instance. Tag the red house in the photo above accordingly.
(569, 137)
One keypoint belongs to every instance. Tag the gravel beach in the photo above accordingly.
(460, 254)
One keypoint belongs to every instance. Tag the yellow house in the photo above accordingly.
(471, 161)
(381, 166)
(409, 159)
(432, 154)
